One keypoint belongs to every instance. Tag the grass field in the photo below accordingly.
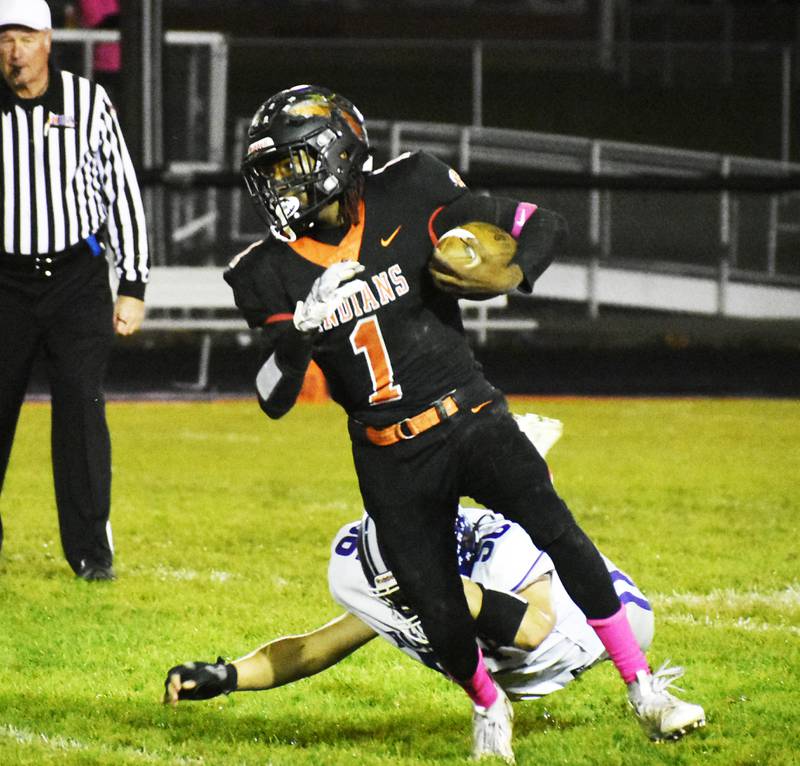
(222, 521)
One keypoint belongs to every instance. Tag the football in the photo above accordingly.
(475, 259)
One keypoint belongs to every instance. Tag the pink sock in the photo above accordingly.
(620, 643)
(480, 687)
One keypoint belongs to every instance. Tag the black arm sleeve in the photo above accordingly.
(281, 376)
(544, 234)
(476, 207)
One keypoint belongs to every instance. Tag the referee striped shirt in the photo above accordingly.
(66, 174)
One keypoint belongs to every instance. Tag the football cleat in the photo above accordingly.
(492, 728)
(542, 432)
(662, 715)
(92, 572)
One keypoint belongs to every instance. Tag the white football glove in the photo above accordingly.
(336, 284)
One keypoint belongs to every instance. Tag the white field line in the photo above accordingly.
(668, 609)
(738, 623)
(167, 573)
(24, 737)
(63, 744)
(733, 599)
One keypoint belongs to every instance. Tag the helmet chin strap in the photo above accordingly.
(287, 209)
(285, 235)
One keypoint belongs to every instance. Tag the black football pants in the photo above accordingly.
(68, 318)
(411, 489)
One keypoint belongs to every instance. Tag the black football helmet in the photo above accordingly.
(318, 139)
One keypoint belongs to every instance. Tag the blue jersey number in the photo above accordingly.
(348, 545)
(487, 542)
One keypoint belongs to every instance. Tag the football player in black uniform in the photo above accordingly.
(342, 278)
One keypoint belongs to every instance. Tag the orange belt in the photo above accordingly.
(413, 426)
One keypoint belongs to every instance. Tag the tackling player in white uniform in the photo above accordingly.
(534, 639)
(553, 644)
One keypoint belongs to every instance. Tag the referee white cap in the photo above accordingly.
(34, 14)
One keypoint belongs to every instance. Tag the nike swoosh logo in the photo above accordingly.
(388, 241)
(480, 406)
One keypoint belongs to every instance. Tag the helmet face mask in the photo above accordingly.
(306, 147)
(284, 183)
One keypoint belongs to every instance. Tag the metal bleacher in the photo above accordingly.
(706, 252)
(726, 253)
(715, 253)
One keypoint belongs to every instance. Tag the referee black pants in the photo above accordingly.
(411, 490)
(67, 317)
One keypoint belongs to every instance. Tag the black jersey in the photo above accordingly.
(390, 350)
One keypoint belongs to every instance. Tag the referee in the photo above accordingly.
(67, 188)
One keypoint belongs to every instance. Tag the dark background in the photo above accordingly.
(550, 91)
(681, 98)
(618, 354)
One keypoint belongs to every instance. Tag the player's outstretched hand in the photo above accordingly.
(199, 681)
(336, 284)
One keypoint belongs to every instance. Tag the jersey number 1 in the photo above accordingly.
(367, 339)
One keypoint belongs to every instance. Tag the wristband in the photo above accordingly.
(500, 616)
(521, 215)
(232, 681)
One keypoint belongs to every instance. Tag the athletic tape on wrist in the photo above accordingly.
(232, 681)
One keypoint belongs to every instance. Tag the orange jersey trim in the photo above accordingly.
(431, 232)
(278, 318)
(326, 255)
